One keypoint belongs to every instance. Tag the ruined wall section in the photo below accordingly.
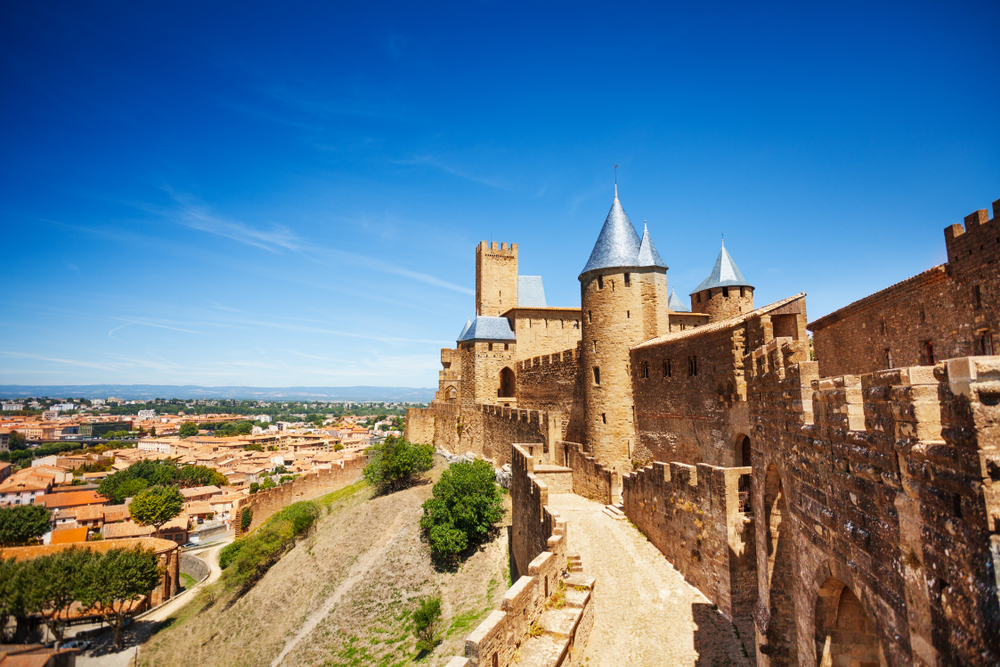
(265, 504)
(554, 382)
(694, 516)
(882, 483)
(955, 308)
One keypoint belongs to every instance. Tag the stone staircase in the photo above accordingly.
(616, 512)
(574, 563)
(562, 632)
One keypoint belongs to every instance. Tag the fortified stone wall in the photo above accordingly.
(876, 495)
(590, 479)
(499, 426)
(265, 504)
(554, 382)
(545, 330)
(955, 308)
(695, 517)
(420, 425)
(482, 363)
(689, 387)
(540, 550)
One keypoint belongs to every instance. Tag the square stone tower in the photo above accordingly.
(496, 278)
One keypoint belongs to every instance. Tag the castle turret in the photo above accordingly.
(623, 291)
(725, 292)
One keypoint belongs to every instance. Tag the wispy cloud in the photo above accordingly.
(195, 215)
(438, 163)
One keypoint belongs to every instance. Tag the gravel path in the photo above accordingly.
(646, 614)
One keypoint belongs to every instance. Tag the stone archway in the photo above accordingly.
(845, 636)
(508, 384)
(742, 452)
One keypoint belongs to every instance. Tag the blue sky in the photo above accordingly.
(281, 194)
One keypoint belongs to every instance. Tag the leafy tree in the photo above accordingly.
(22, 524)
(188, 429)
(254, 488)
(280, 470)
(426, 617)
(156, 506)
(465, 506)
(53, 583)
(11, 594)
(246, 518)
(254, 447)
(16, 441)
(116, 581)
(394, 463)
(285, 478)
(268, 483)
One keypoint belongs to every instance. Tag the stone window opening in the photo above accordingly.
(725, 292)
(742, 293)
(844, 634)
(628, 314)
(597, 375)
(984, 342)
(888, 358)
(697, 297)
(491, 347)
(977, 297)
(576, 324)
(595, 346)
(628, 280)
(590, 316)
(496, 659)
(506, 346)
(928, 353)
(883, 327)
(604, 418)
(600, 282)
(956, 505)
(666, 368)
(692, 366)
(644, 370)
(683, 327)
(507, 384)
(923, 314)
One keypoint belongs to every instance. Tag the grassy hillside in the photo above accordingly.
(343, 596)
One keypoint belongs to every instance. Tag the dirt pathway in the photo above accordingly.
(646, 614)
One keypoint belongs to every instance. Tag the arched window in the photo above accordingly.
(844, 634)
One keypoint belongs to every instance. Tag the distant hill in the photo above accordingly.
(150, 391)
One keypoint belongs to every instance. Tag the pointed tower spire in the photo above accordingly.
(675, 304)
(647, 250)
(617, 245)
(725, 273)
(616, 181)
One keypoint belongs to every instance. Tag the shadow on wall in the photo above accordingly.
(711, 638)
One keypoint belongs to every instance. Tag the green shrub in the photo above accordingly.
(395, 462)
(464, 509)
(426, 618)
(247, 559)
(246, 518)
(229, 552)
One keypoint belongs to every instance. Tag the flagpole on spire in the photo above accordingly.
(616, 181)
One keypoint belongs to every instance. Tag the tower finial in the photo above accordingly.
(616, 181)
(723, 240)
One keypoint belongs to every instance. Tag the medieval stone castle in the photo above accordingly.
(839, 502)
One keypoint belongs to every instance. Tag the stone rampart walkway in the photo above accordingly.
(645, 613)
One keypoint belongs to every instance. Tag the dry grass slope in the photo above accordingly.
(342, 596)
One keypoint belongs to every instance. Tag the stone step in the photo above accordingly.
(614, 512)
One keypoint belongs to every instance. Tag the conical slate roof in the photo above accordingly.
(488, 328)
(675, 304)
(647, 251)
(725, 273)
(618, 246)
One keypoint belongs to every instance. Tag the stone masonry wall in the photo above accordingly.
(952, 306)
(496, 278)
(539, 545)
(884, 484)
(718, 306)
(499, 426)
(590, 479)
(265, 504)
(554, 382)
(420, 425)
(692, 514)
(545, 330)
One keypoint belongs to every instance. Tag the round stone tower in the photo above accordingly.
(725, 293)
(624, 297)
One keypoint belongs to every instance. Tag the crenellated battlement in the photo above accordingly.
(496, 248)
(565, 357)
(975, 243)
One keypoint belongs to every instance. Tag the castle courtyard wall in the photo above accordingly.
(544, 330)
(554, 383)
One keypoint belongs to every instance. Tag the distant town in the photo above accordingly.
(56, 452)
